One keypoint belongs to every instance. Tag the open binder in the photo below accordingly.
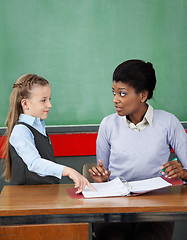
(120, 187)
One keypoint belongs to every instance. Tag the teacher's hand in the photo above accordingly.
(174, 169)
(99, 173)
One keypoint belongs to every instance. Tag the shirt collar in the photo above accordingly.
(149, 114)
(33, 121)
(147, 119)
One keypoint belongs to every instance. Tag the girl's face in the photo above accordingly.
(38, 104)
(126, 100)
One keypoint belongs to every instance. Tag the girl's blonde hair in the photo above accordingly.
(22, 89)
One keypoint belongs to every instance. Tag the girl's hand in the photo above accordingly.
(79, 180)
(174, 169)
(99, 173)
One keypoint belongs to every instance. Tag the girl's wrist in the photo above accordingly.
(66, 172)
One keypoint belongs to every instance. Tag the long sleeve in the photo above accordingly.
(103, 145)
(23, 141)
(178, 140)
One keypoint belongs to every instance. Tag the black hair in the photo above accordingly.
(137, 74)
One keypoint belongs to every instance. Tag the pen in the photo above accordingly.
(162, 170)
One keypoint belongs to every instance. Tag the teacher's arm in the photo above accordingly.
(101, 173)
(178, 141)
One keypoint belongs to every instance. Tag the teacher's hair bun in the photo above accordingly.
(149, 65)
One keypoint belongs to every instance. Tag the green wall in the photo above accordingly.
(76, 44)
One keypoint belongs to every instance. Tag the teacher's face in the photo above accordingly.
(126, 100)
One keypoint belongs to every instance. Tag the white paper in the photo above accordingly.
(106, 189)
(148, 185)
(116, 187)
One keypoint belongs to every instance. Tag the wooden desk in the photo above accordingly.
(43, 207)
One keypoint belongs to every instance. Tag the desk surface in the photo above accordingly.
(53, 200)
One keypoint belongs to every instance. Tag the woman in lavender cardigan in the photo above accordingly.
(135, 144)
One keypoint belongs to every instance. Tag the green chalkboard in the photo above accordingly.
(77, 44)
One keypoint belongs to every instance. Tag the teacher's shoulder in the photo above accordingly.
(110, 119)
(165, 117)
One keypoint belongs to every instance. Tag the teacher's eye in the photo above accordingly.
(122, 94)
(113, 92)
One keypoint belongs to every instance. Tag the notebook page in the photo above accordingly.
(148, 185)
(107, 189)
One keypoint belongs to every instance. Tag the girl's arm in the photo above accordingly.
(79, 180)
(22, 140)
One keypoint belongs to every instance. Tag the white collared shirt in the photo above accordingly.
(147, 120)
(22, 140)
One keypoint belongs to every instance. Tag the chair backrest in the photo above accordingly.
(85, 172)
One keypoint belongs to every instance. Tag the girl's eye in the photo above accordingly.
(122, 94)
(43, 100)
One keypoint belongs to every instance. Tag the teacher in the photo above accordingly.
(135, 143)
